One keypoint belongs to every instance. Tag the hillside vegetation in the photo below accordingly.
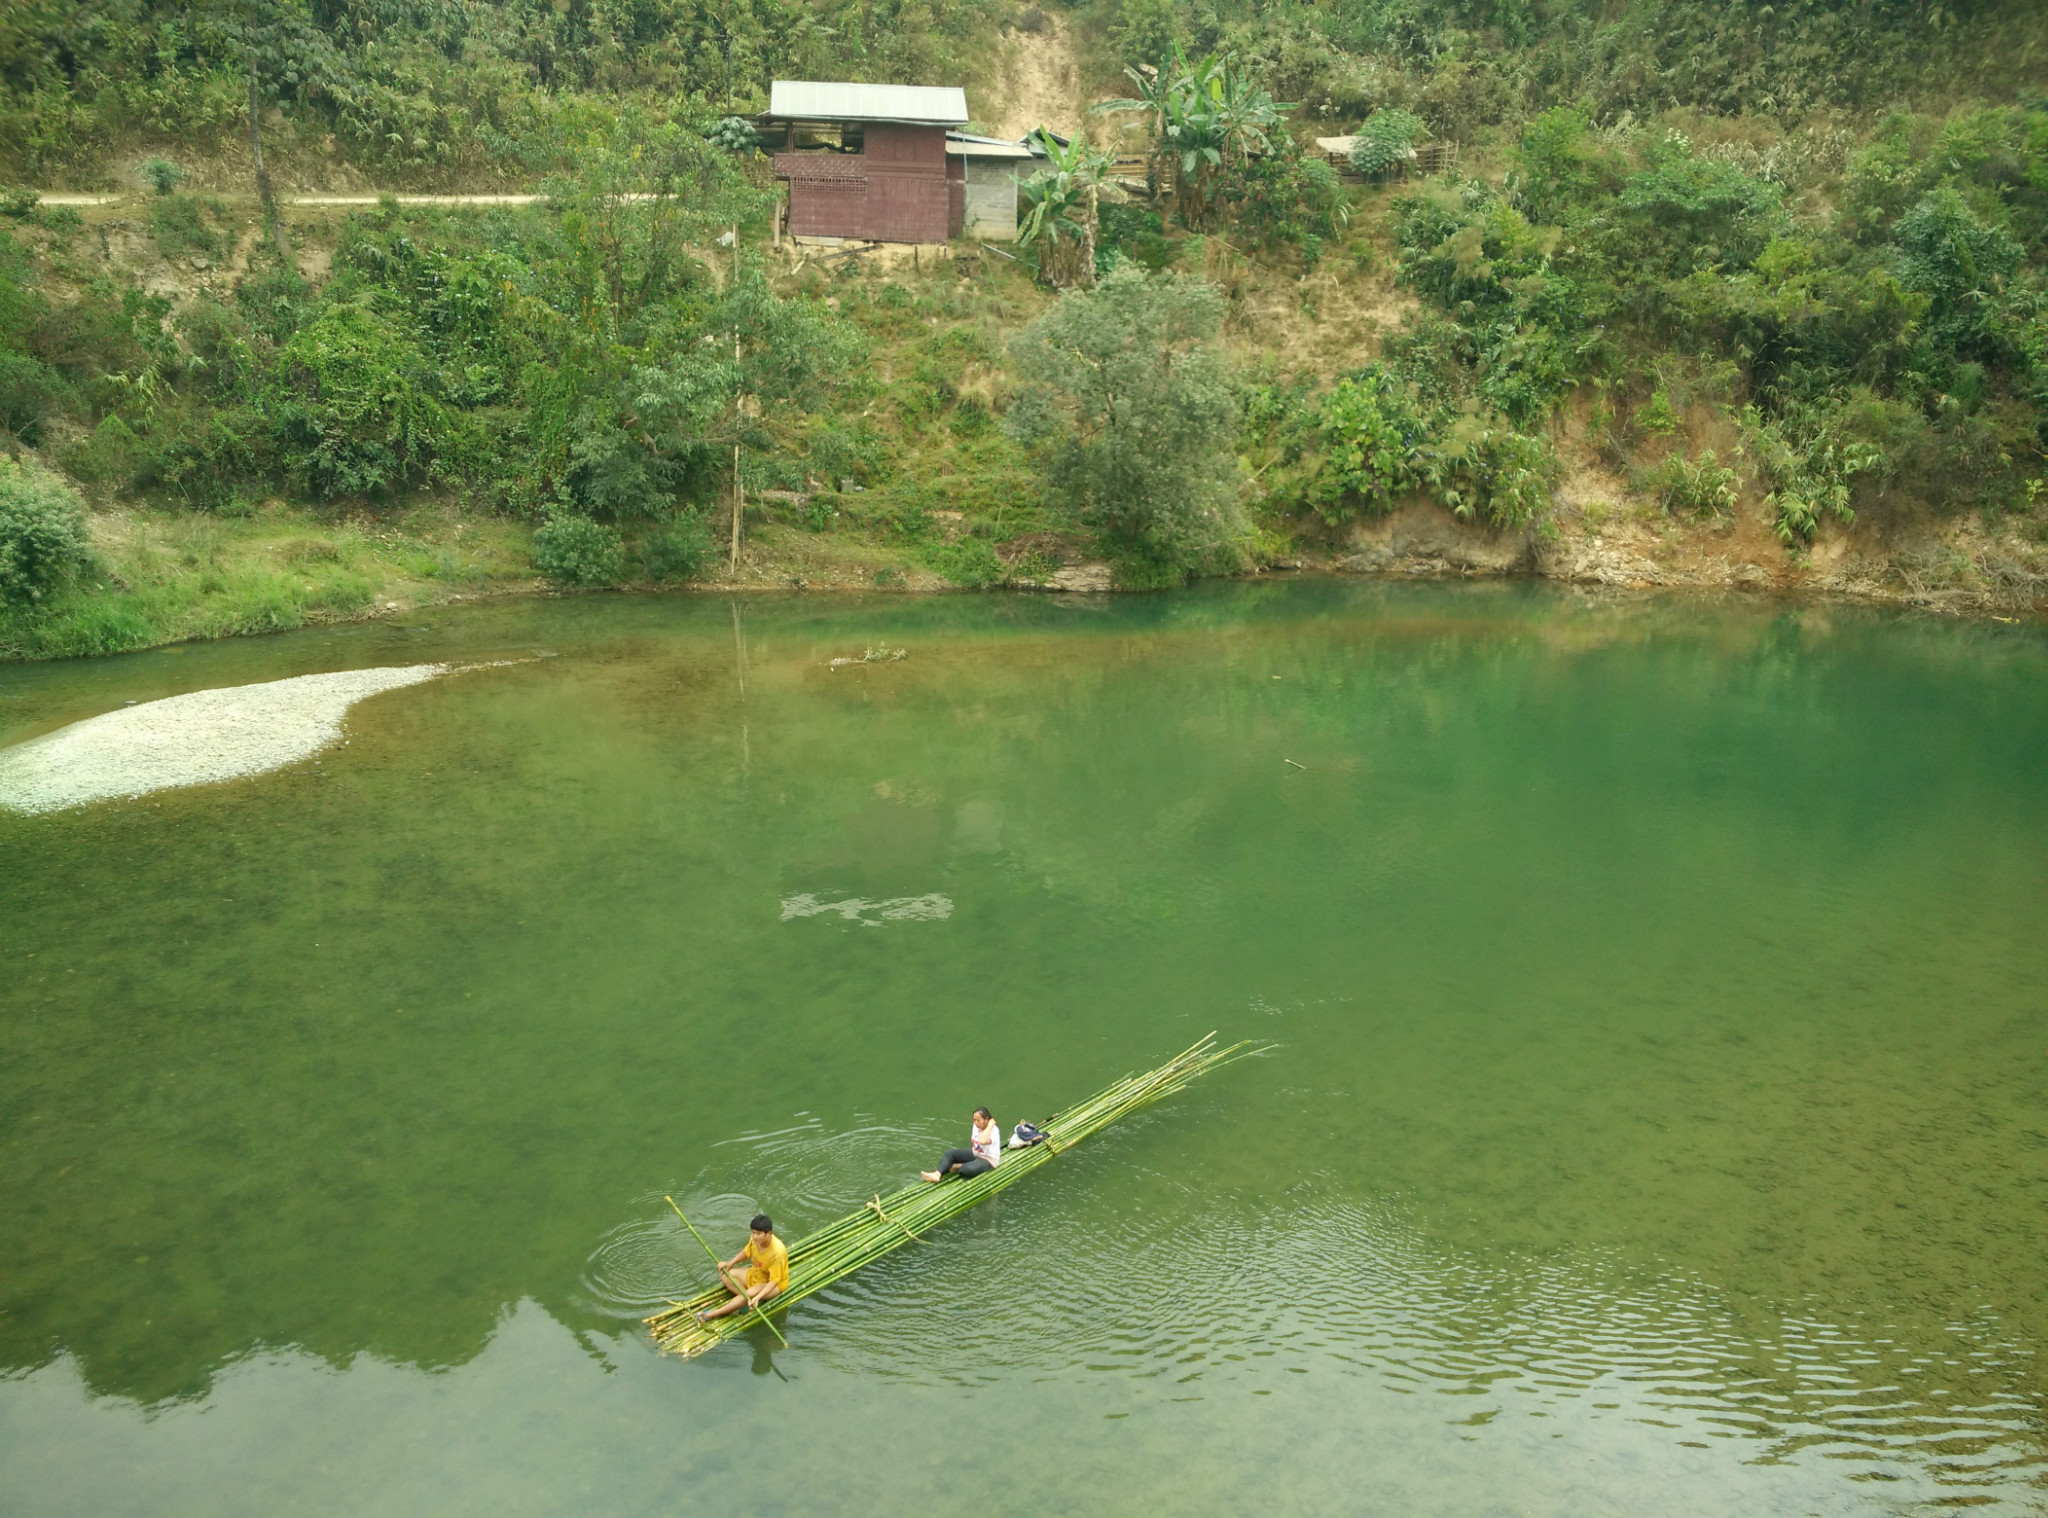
(1720, 292)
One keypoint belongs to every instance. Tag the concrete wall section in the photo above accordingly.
(991, 203)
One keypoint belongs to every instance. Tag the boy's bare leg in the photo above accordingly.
(744, 1297)
(733, 1283)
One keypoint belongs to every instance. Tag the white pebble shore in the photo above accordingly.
(195, 739)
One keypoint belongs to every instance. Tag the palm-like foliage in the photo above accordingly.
(1156, 89)
(1060, 219)
(1205, 117)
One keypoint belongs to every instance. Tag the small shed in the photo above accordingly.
(991, 168)
(1422, 160)
(869, 160)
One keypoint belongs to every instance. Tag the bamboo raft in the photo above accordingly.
(888, 1223)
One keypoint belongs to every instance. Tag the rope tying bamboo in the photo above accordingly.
(875, 1205)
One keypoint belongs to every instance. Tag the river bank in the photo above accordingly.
(177, 577)
(943, 502)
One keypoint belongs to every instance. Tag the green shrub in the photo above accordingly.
(577, 551)
(1486, 469)
(354, 405)
(1286, 197)
(179, 226)
(43, 542)
(160, 174)
(1949, 254)
(1691, 212)
(1655, 414)
(1385, 142)
(203, 456)
(1560, 165)
(1810, 456)
(1698, 487)
(1371, 441)
(275, 299)
(612, 474)
(678, 550)
(967, 561)
(108, 454)
(30, 391)
(1137, 233)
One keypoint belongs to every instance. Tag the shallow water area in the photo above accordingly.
(1659, 1121)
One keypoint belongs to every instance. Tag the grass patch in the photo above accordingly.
(170, 577)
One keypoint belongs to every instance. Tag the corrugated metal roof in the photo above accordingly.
(967, 145)
(918, 104)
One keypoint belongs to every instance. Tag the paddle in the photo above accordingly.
(719, 1265)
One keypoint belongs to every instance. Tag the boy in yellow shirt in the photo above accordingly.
(767, 1263)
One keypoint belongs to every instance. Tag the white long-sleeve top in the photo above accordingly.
(988, 1143)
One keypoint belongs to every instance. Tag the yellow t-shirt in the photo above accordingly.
(769, 1264)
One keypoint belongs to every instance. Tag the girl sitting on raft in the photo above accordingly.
(986, 1154)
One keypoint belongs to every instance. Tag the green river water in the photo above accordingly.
(1659, 1122)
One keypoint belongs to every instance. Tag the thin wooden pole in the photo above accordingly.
(732, 569)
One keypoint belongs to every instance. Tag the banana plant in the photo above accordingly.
(1196, 137)
(1157, 86)
(1206, 118)
(1060, 221)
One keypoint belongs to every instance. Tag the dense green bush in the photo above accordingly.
(30, 390)
(161, 174)
(1386, 141)
(179, 225)
(1698, 487)
(577, 551)
(1127, 413)
(1375, 438)
(355, 405)
(678, 550)
(1950, 255)
(967, 561)
(1285, 196)
(1135, 232)
(1372, 440)
(42, 533)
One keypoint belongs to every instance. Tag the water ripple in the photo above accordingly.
(1211, 1295)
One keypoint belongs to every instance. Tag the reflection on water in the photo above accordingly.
(1656, 1127)
(1475, 1370)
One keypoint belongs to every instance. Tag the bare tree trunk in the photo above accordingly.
(1088, 242)
(270, 216)
(739, 490)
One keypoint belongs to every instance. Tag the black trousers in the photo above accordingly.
(969, 1162)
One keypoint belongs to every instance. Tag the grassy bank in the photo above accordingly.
(1705, 297)
(167, 576)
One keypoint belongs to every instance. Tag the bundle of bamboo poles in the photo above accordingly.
(888, 1223)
